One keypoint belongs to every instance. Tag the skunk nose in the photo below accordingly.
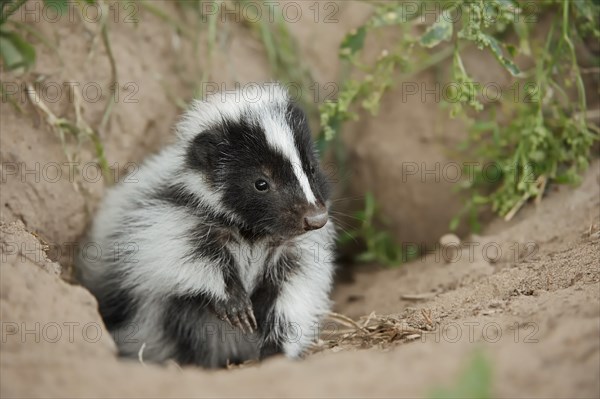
(315, 218)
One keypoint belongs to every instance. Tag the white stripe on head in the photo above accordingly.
(280, 138)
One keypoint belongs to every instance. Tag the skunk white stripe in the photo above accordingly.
(280, 137)
(301, 176)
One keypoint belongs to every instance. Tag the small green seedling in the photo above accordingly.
(380, 246)
(475, 381)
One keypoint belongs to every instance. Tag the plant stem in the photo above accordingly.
(11, 10)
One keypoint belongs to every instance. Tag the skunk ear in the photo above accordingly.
(203, 153)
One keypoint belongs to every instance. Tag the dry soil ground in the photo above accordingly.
(534, 313)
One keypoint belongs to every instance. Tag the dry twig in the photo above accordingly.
(374, 331)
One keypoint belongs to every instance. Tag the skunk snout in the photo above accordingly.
(315, 218)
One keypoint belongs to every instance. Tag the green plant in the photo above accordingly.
(18, 56)
(379, 245)
(547, 138)
(15, 52)
(474, 382)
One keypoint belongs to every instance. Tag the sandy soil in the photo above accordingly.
(545, 306)
(525, 293)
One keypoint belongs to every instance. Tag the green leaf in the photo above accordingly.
(475, 381)
(346, 237)
(8, 8)
(9, 54)
(15, 52)
(366, 257)
(512, 50)
(60, 6)
(563, 179)
(353, 42)
(497, 51)
(454, 222)
(439, 31)
(369, 206)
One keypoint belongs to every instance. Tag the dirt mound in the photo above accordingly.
(536, 318)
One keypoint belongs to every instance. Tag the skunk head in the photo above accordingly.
(254, 153)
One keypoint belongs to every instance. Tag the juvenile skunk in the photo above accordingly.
(218, 250)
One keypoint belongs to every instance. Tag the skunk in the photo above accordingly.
(219, 249)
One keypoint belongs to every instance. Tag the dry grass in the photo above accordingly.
(380, 331)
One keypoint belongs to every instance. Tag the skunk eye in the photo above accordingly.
(261, 185)
(312, 169)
